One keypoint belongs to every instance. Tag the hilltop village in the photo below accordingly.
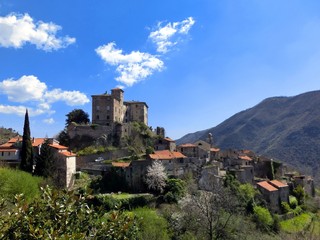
(133, 146)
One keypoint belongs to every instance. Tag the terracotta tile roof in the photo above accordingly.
(15, 139)
(278, 184)
(166, 155)
(214, 149)
(187, 145)
(267, 186)
(168, 139)
(8, 150)
(68, 154)
(120, 164)
(37, 141)
(57, 146)
(244, 157)
(6, 145)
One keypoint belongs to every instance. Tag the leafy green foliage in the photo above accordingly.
(300, 194)
(45, 162)
(263, 218)
(63, 215)
(26, 152)
(95, 150)
(78, 116)
(14, 182)
(151, 225)
(296, 224)
(63, 138)
(119, 201)
(175, 190)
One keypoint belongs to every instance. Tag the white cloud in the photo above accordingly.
(49, 121)
(132, 67)
(30, 89)
(18, 110)
(16, 30)
(167, 36)
(27, 88)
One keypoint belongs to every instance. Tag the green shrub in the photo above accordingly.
(293, 202)
(111, 202)
(285, 207)
(175, 190)
(14, 182)
(151, 225)
(263, 218)
(296, 224)
(63, 215)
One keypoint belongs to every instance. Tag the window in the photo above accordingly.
(108, 108)
(108, 117)
(2, 153)
(181, 160)
(97, 117)
(98, 108)
(8, 153)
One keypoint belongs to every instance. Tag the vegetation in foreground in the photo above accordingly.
(230, 212)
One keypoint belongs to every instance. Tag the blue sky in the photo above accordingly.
(195, 63)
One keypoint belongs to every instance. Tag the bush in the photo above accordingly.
(111, 202)
(151, 225)
(14, 182)
(285, 207)
(263, 218)
(175, 190)
(293, 202)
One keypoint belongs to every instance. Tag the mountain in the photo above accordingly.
(283, 128)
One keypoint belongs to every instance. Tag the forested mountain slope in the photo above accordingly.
(285, 128)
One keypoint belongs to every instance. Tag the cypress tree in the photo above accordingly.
(45, 162)
(26, 153)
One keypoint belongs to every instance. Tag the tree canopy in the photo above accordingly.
(45, 162)
(78, 116)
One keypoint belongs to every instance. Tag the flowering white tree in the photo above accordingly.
(156, 176)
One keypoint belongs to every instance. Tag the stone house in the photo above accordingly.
(165, 144)
(65, 160)
(274, 192)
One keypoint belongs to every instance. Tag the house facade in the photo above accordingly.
(65, 160)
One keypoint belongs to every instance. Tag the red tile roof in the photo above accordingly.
(6, 145)
(244, 157)
(13, 140)
(68, 154)
(267, 186)
(37, 141)
(8, 150)
(120, 164)
(166, 155)
(57, 146)
(168, 139)
(214, 149)
(278, 184)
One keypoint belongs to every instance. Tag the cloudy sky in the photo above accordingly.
(195, 62)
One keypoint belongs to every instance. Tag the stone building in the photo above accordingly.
(110, 109)
(65, 160)
(274, 192)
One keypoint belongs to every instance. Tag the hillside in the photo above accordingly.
(284, 128)
(6, 134)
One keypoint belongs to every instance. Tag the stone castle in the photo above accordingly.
(111, 109)
(111, 117)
